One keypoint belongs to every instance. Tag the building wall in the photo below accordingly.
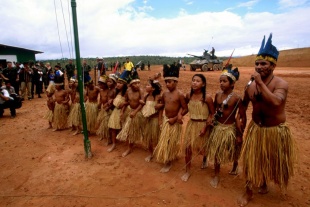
(22, 55)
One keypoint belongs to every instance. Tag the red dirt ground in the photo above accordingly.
(44, 168)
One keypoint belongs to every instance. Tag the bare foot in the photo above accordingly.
(100, 138)
(263, 189)
(166, 168)
(126, 152)
(76, 132)
(204, 165)
(108, 142)
(111, 148)
(54, 130)
(185, 176)
(234, 171)
(245, 199)
(215, 181)
(148, 158)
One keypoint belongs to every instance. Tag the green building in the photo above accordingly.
(16, 54)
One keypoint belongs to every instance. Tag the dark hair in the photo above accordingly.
(203, 89)
(230, 81)
(157, 88)
(123, 91)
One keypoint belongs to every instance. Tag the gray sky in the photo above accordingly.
(148, 27)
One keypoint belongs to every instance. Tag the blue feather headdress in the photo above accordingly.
(232, 73)
(268, 52)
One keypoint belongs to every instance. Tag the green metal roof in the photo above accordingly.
(20, 48)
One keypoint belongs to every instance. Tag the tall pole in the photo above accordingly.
(87, 146)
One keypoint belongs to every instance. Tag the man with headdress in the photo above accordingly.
(268, 148)
(168, 148)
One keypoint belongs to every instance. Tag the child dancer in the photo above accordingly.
(175, 107)
(75, 116)
(221, 144)
(104, 114)
(91, 106)
(132, 129)
(50, 104)
(119, 102)
(201, 110)
(61, 107)
(152, 117)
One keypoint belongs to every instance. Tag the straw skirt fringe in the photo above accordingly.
(192, 138)
(151, 131)
(60, 116)
(102, 123)
(168, 147)
(75, 115)
(91, 110)
(49, 116)
(132, 130)
(268, 154)
(222, 142)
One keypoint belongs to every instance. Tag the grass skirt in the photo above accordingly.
(75, 115)
(49, 116)
(192, 137)
(132, 130)
(151, 131)
(268, 154)
(168, 147)
(91, 110)
(222, 142)
(102, 123)
(115, 118)
(60, 116)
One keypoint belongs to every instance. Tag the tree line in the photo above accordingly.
(153, 60)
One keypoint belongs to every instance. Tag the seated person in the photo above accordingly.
(6, 102)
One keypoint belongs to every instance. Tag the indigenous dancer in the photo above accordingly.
(61, 110)
(152, 116)
(132, 130)
(111, 83)
(268, 150)
(201, 110)
(50, 104)
(91, 106)
(75, 116)
(221, 144)
(105, 112)
(175, 107)
(117, 115)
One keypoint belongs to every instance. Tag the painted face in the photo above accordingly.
(135, 86)
(171, 84)
(224, 83)
(264, 68)
(197, 83)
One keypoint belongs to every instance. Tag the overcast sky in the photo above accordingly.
(154, 27)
